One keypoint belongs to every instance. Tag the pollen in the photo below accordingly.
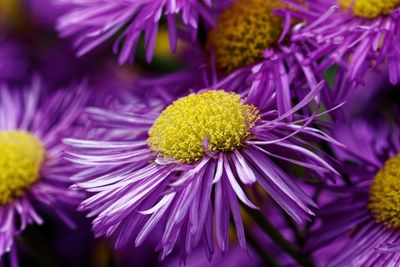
(210, 121)
(21, 156)
(244, 30)
(384, 199)
(370, 9)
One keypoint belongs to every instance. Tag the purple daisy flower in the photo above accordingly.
(357, 35)
(184, 169)
(252, 46)
(365, 218)
(92, 22)
(33, 174)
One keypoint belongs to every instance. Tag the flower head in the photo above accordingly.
(369, 9)
(183, 170)
(244, 31)
(357, 35)
(384, 194)
(32, 173)
(217, 116)
(92, 22)
(366, 216)
(22, 154)
(252, 48)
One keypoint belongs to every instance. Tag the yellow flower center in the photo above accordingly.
(384, 199)
(245, 30)
(21, 156)
(212, 120)
(370, 9)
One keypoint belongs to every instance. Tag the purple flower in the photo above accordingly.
(92, 22)
(366, 216)
(358, 36)
(184, 169)
(252, 48)
(33, 174)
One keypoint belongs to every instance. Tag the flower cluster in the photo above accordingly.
(218, 133)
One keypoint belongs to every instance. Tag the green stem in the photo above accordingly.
(315, 197)
(38, 248)
(297, 233)
(276, 236)
(267, 259)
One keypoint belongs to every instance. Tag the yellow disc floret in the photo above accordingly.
(244, 31)
(384, 200)
(370, 9)
(21, 156)
(214, 120)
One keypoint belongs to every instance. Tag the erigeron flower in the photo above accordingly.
(186, 170)
(365, 216)
(358, 35)
(33, 174)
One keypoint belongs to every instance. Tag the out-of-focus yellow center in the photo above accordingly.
(12, 13)
(21, 156)
(384, 200)
(370, 9)
(217, 116)
(245, 30)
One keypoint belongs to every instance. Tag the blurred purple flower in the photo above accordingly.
(363, 219)
(358, 36)
(135, 187)
(352, 97)
(92, 22)
(252, 48)
(33, 174)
